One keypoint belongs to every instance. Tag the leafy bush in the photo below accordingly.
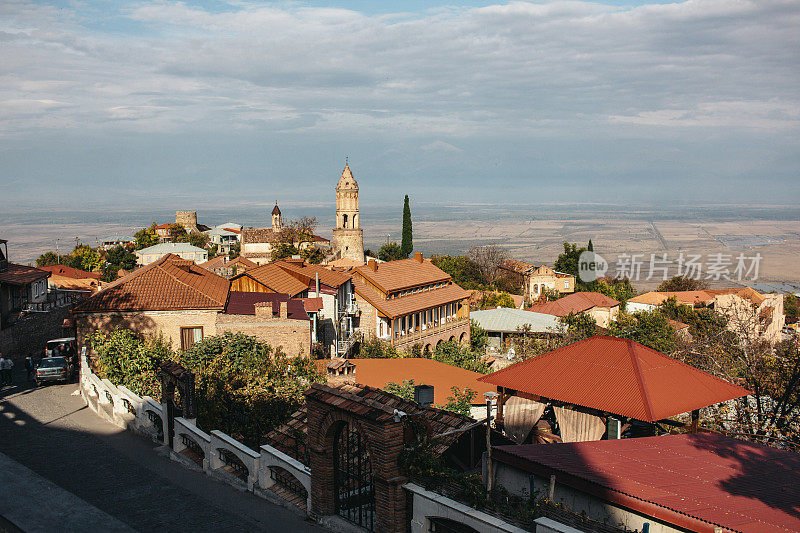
(126, 359)
(452, 353)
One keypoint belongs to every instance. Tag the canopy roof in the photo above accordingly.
(618, 376)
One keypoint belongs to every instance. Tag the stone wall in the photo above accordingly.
(29, 335)
(348, 243)
(293, 336)
(147, 323)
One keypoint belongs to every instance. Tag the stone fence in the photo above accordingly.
(268, 472)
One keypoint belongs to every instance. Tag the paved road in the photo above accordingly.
(50, 431)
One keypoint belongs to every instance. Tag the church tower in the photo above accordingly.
(348, 237)
(277, 224)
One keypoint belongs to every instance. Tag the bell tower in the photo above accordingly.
(348, 237)
(277, 224)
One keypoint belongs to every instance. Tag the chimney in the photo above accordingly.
(283, 312)
(423, 395)
(418, 257)
(263, 309)
(372, 265)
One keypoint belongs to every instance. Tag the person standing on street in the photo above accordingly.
(29, 367)
(5, 367)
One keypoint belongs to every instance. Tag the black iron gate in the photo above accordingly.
(352, 478)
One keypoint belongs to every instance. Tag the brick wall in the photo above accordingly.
(384, 442)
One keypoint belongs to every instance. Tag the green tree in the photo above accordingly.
(110, 271)
(376, 349)
(682, 283)
(579, 326)
(567, 261)
(312, 254)
(460, 401)
(590, 246)
(407, 243)
(146, 237)
(619, 289)
(126, 359)
(454, 354)
(47, 259)
(405, 389)
(283, 250)
(85, 258)
(390, 252)
(791, 307)
(478, 338)
(464, 271)
(121, 257)
(490, 300)
(651, 329)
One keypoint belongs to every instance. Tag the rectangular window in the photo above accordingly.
(191, 335)
(566, 284)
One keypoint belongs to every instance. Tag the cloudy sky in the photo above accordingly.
(151, 103)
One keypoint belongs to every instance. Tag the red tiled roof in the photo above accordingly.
(275, 278)
(222, 261)
(379, 372)
(411, 303)
(21, 274)
(69, 272)
(577, 302)
(243, 303)
(378, 405)
(89, 285)
(312, 305)
(171, 283)
(618, 376)
(692, 481)
(403, 274)
(309, 272)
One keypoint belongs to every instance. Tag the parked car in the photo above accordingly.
(53, 369)
(66, 347)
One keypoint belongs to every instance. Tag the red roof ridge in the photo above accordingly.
(170, 274)
(648, 404)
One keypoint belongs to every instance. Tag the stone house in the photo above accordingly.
(258, 243)
(223, 266)
(650, 301)
(598, 306)
(184, 250)
(185, 303)
(20, 287)
(410, 301)
(536, 278)
(751, 312)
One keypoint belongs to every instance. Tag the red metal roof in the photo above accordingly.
(618, 376)
(693, 481)
(577, 302)
(70, 272)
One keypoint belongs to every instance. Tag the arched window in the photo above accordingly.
(344, 221)
(353, 488)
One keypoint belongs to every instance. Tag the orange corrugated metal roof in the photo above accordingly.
(618, 376)
(171, 283)
(275, 278)
(378, 372)
(577, 302)
(403, 274)
(747, 293)
(411, 303)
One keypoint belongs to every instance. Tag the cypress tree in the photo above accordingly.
(407, 244)
(591, 246)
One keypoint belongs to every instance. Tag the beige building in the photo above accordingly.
(536, 278)
(598, 306)
(185, 303)
(409, 302)
(750, 312)
(257, 244)
(184, 250)
(348, 237)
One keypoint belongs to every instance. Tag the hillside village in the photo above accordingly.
(445, 393)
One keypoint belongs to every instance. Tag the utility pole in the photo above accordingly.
(489, 467)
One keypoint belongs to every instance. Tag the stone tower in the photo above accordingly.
(277, 224)
(348, 237)
(187, 219)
